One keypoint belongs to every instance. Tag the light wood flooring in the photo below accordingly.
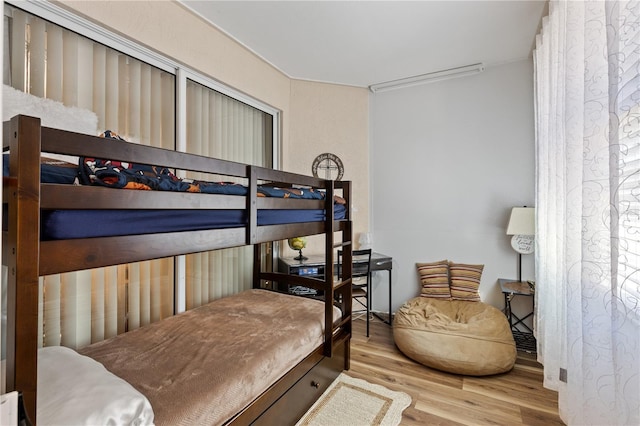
(438, 398)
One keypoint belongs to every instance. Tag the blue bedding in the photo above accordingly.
(51, 170)
(68, 224)
(126, 175)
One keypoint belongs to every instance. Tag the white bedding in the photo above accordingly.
(51, 113)
(74, 389)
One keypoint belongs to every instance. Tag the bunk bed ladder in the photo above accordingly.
(339, 289)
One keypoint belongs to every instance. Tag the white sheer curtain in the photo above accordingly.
(131, 98)
(587, 74)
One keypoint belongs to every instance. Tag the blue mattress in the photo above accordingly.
(69, 224)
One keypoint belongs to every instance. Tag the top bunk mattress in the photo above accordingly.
(70, 224)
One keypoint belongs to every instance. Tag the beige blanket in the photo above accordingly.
(205, 365)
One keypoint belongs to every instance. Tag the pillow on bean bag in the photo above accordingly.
(434, 279)
(465, 281)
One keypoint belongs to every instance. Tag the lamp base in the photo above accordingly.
(300, 257)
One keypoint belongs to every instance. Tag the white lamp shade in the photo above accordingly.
(365, 240)
(522, 221)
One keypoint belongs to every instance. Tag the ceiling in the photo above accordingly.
(360, 43)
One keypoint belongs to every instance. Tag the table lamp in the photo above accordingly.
(365, 240)
(298, 243)
(522, 227)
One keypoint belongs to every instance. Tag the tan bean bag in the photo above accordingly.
(462, 337)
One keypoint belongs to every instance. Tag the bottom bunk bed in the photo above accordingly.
(202, 367)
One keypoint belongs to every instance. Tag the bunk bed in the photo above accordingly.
(29, 254)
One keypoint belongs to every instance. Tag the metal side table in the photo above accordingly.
(522, 333)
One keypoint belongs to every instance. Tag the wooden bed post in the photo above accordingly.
(252, 206)
(21, 256)
(257, 265)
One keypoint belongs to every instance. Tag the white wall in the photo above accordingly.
(448, 161)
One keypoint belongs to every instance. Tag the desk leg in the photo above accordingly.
(387, 321)
(390, 312)
(369, 298)
(507, 309)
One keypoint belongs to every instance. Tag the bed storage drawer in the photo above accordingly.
(301, 396)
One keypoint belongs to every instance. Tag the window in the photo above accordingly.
(133, 94)
(219, 126)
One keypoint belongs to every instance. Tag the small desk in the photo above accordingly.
(314, 267)
(525, 340)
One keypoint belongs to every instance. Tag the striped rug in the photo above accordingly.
(355, 402)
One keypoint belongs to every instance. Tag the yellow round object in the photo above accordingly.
(297, 243)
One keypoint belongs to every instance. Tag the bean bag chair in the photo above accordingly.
(456, 336)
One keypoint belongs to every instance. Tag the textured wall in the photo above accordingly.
(331, 118)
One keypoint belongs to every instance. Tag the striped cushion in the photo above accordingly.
(465, 281)
(434, 278)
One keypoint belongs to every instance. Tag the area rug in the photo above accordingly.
(356, 402)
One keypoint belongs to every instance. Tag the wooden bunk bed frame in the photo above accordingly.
(28, 257)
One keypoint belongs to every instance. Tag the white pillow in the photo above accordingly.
(74, 389)
(51, 113)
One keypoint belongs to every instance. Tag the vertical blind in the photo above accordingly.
(135, 100)
(222, 127)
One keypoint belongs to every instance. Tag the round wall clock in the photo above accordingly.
(327, 166)
(522, 243)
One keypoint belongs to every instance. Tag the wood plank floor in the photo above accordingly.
(438, 398)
